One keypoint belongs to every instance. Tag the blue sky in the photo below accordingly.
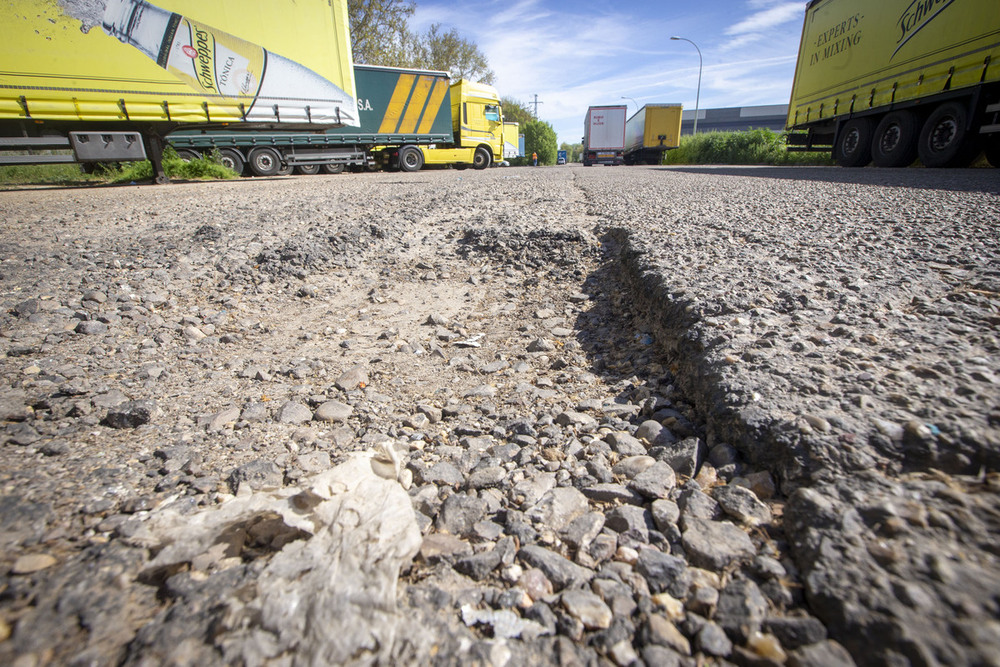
(577, 53)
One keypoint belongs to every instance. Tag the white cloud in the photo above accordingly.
(768, 18)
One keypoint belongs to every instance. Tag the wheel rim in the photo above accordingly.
(943, 134)
(890, 138)
(410, 159)
(852, 141)
(264, 161)
(228, 162)
(480, 159)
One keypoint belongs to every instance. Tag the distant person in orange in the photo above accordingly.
(534, 159)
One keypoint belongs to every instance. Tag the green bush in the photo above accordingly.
(761, 146)
(208, 167)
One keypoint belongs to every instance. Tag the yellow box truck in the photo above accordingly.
(890, 81)
(96, 75)
(651, 131)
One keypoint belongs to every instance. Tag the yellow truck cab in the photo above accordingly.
(477, 121)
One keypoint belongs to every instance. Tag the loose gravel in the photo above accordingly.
(642, 415)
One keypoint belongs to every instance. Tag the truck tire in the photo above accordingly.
(307, 169)
(410, 158)
(895, 140)
(232, 158)
(854, 145)
(264, 161)
(945, 140)
(481, 159)
(331, 168)
(187, 154)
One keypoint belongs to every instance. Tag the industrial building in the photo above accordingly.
(736, 119)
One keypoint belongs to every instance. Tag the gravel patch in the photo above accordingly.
(640, 416)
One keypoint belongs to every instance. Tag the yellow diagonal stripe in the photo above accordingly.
(393, 113)
(433, 106)
(416, 104)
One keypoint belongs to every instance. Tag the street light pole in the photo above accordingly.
(697, 97)
(633, 102)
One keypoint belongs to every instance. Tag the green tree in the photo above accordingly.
(379, 32)
(449, 52)
(539, 137)
(515, 112)
(573, 151)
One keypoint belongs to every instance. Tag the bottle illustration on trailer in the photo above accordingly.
(272, 88)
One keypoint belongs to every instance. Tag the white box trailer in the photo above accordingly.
(604, 135)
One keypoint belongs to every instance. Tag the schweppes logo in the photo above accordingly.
(917, 16)
(202, 52)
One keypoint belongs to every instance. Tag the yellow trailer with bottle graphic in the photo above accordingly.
(95, 75)
(890, 81)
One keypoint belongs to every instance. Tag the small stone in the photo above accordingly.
(712, 639)
(664, 573)
(30, 563)
(665, 514)
(541, 345)
(333, 411)
(558, 508)
(625, 444)
(131, 414)
(479, 566)
(535, 583)
(818, 423)
(660, 630)
(741, 610)
(588, 608)
(293, 412)
(353, 378)
(655, 482)
(575, 419)
(630, 521)
(91, 328)
(740, 503)
(714, 545)
(559, 570)
(631, 466)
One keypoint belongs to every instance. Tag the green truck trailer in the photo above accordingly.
(890, 81)
(408, 119)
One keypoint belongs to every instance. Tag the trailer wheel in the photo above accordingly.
(944, 139)
(481, 159)
(332, 168)
(187, 154)
(264, 161)
(854, 146)
(410, 158)
(895, 141)
(307, 169)
(233, 159)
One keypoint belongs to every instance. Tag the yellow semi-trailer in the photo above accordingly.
(890, 81)
(93, 75)
(651, 131)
